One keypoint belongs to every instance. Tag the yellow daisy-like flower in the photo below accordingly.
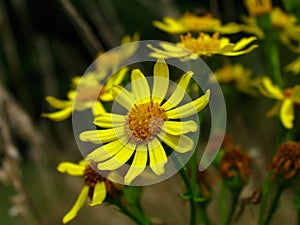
(203, 45)
(150, 119)
(286, 100)
(293, 67)
(258, 7)
(285, 23)
(239, 75)
(95, 186)
(84, 96)
(193, 23)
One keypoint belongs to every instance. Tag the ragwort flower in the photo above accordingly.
(235, 163)
(239, 75)
(95, 186)
(258, 7)
(203, 45)
(83, 97)
(286, 161)
(286, 100)
(148, 121)
(194, 23)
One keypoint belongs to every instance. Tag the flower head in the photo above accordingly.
(83, 97)
(94, 187)
(286, 100)
(235, 163)
(286, 161)
(194, 23)
(135, 138)
(239, 75)
(204, 45)
(258, 7)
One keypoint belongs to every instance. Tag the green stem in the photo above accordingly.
(193, 208)
(223, 203)
(234, 202)
(265, 192)
(202, 213)
(274, 204)
(137, 216)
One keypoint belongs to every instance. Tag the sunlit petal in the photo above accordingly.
(161, 81)
(138, 164)
(189, 108)
(179, 92)
(287, 113)
(140, 87)
(122, 96)
(180, 143)
(99, 194)
(119, 159)
(71, 168)
(109, 120)
(59, 115)
(158, 157)
(102, 136)
(178, 127)
(78, 205)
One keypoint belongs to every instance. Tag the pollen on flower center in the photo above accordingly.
(202, 43)
(144, 121)
(91, 177)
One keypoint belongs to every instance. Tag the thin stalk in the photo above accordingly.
(274, 204)
(265, 192)
(193, 205)
(234, 202)
(136, 216)
(223, 203)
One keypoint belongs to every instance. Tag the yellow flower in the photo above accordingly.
(286, 100)
(85, 96)
(293, 67)
(112, 60)
(258, 7)
(285, 23)
(193, 23)
(149, 120)
(95, 186)
(204, 45)
(239, 75)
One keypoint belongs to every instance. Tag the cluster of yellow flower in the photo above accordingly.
(153, 109)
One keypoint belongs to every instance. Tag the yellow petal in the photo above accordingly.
(287, 113)
(109, 120)
(106, 96)
(178, 127)
(161, 81)
(71, 168)
(106, 151)
(140, 87)
(158, 53)
(98, 108)
(243, 43)
(179, 92)
(122, 96)
(99, 194)
(189, 108)
(116, 79)
(138, 164)
(270, 90)
(57, 103)
(158, 157)
(180, 143)
(59, 115)
(119, 159)
(242, 52)
(78, 205)
(102, 136)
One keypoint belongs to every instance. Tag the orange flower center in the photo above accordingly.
(202, 44)
(91, 177)
(288, 92)
(144, 121)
